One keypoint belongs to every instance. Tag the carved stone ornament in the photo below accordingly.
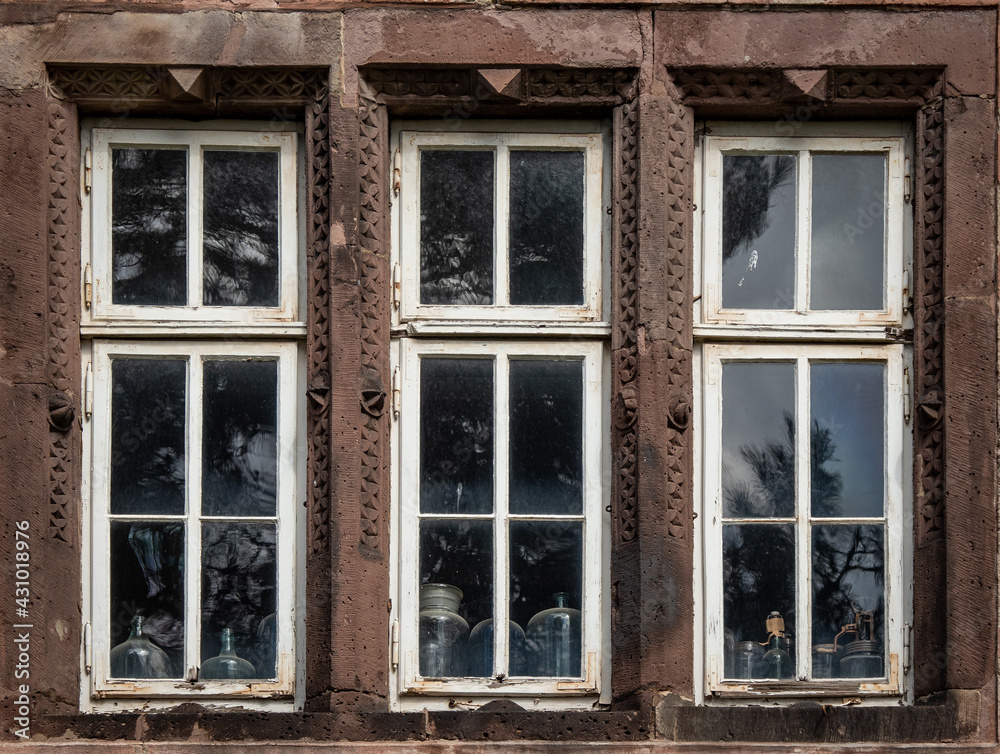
(580, 85)
(625, 325)
(62, 411)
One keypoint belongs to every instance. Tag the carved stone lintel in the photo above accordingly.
(423, 85)
(736, 86)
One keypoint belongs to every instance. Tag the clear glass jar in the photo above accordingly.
(480, 656)
(226, 665)
(138, 657)
(746, 659)
(862, 659)
(553, 638)
(444, 634)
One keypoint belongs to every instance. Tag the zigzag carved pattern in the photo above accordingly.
(371, 183)
(277, 83)
(318, 338)
(420, 82)
(678, 375)
(883, 85)
(61, 320)
(929, 323)
(728, 84)
(579, 83)
(372, 441)
(373, 314)
(131, 82)
(626, 340)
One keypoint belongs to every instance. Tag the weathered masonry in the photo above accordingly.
(335, 336)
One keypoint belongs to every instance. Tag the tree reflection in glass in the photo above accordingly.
(149, 226)
(240, 242)
(847, 559)
(758, 231)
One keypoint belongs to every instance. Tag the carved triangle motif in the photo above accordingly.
(187, 83)
(505, 82)
(807, 82)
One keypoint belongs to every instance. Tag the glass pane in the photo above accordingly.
(456, 227)
(240, 228)
(758, 231)
(239, 440)
(147, 435)
(546, 436)
(546, 227)
(758, 439)
(149, 226)
(456, 435)
(848, 570)
(239, 592)
(758, 571)
(546, 594)
(848, 439)
(456, 592)
(848, 231)
(147, 579)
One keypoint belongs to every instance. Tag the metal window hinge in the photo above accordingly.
(88, 391)
(88, 649)
(397, 282)
(395, 644)
(88, 170)
(906, 395)
(907, 298)
(395, 393)
(907, 648)
(907, 181)
(397, 165)
(88, 285)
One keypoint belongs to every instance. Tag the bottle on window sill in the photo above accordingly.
(226, 665)
(444, 634)
(138, 657)
(480, 658)
(553, 637)
(777, 661)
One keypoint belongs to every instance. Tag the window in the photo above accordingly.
(804, 409)
(192, 337)
(500, 433)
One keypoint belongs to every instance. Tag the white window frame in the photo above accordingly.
(285, 355)
(800, 335)
(276, 333)
(500, 331)
(895, 486)
(591, 515)
(413, 137)
(195, 143)
(742, 139)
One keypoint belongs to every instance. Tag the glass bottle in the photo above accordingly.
(138, 657)
(553, 638)
(777, 662)
(443, 632)
(226, 665)
(746, 659)
(480, 657)
(862, 659)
